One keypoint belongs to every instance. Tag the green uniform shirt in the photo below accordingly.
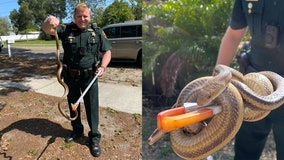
(81, 47)
(258, 15)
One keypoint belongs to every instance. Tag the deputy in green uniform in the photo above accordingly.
(265, 21)
(81, 43)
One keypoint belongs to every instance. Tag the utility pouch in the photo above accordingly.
(242, 57)
(243, 62)
(271, 36)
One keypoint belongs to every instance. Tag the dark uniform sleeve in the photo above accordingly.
(238, 18)
(105, 45)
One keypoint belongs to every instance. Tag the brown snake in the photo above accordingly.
(62, 83)
(243, 98)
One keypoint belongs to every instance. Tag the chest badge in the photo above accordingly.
(250, 7)
(71, 38)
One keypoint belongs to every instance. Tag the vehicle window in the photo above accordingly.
(128, 31)
(113, 32)
(139, 31)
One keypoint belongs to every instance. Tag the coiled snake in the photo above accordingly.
(247, 97)
(59, 79)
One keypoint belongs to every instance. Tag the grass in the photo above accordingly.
(165, 151)
(33, 43)
(33, 152)
(66, 146)
(136, 116)
(110, 110)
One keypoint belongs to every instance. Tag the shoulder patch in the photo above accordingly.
(104, 35)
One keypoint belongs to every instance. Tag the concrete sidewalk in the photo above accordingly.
(118, 97)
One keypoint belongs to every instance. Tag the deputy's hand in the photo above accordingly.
(53, 21)
(50, 24)
(102, 69)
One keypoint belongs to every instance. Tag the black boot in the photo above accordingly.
(72, 137)
(95, 149)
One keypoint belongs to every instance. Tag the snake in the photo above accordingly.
(248, 97)
(61, 82)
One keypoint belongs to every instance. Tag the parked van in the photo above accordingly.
(126, 40)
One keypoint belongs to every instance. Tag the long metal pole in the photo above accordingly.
(74, 106)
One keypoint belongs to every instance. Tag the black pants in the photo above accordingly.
(91, 101)
(251, 138)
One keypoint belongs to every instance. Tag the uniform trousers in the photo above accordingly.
(252, 136)
(91, 102)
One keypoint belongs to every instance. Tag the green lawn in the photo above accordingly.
(34, 43)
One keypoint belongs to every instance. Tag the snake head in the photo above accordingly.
(204, 98)
(210, 91)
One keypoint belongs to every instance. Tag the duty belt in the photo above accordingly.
(77, 73)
